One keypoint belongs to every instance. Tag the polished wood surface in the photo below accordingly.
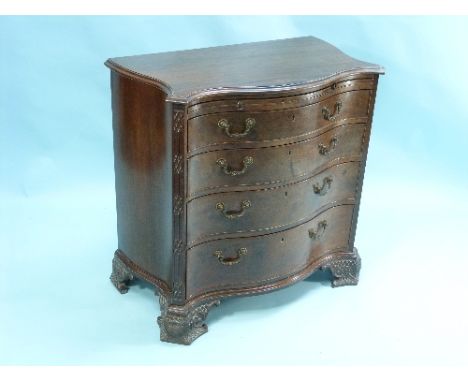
(275, 127)
(238, 171)
(290, 62)
(272, 165)
(269, 209)
(143, 175)
(269, 257)
(250, 100)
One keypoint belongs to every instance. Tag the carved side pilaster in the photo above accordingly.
(345, 269)
(120, 275)
(183, 324)
(178, 164)
(178, 202)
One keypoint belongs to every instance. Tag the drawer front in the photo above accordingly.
(245, 262)
(273, 127)
(260, 211)
(237, 169)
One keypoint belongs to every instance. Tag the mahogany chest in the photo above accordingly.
(238, 171)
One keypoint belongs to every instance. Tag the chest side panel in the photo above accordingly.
(143, 175)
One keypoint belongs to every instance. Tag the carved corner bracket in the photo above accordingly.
(121, 274)
(183, 324)
(345, 269)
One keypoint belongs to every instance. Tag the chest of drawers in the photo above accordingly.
(238, 171)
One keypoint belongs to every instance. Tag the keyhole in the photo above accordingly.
(282, 239)
(292, 117)
(286, 193)
(289, 152)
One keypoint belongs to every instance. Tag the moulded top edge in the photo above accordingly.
(276, 65)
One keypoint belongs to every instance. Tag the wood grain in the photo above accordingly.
(272, 165)
(238, 171)
(271, 209)
(263, 65)
(274, 127)
(143, 175)
(269, 257)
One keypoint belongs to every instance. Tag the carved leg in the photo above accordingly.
(345, 269)
(120, 275)
(183, 324)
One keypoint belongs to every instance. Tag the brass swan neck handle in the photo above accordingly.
(224, 125)
(230, 260)
(324, 188)
(329, 116)
(317, 233)
(228, 170)
(326, 149)
(234, 214)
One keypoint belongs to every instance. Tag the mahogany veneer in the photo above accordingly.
(238, 170)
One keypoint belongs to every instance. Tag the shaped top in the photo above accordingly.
(276, 64)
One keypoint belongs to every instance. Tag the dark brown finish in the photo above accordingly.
(121, 275)
(281, 98)
(275, 127)
(238, 171)
(143, 174)
(183, 324)
(270, 209)
(269, 257)
(286, 64)
(272, 165)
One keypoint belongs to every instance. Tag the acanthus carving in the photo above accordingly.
(120, 275)
(178, 205)
(178, 248)
(345, 269)
(178, 121)
(177, 296)
(177, 163)
(178, 290)
(183, 324)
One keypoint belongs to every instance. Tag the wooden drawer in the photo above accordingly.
(245, 262)
(237, 169)
(262, 211)
(269, 128)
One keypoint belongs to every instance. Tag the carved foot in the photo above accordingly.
(120, 275)
(345, 269)
(183, 324)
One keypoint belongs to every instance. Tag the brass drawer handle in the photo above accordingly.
(331, 116)
(324, 188)
(224, 125)
(228, 170)
(230, 260)
(234, 214)
(319, 231)
(324, 149)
